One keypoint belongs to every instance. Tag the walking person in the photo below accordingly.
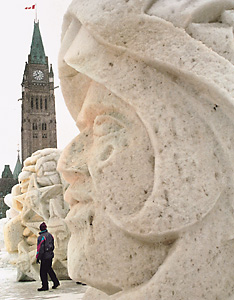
(45, 254)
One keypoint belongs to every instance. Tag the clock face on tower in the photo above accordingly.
(38, 75)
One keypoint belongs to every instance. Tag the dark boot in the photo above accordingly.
(43, 289)
(55, 285)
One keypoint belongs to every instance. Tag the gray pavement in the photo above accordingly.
(13, 290)
(10, 289)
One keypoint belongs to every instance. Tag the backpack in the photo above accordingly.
(49, 247)
(49, 244)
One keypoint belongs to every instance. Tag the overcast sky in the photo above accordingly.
(16, 25)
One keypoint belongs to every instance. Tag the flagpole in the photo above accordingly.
(36, 20)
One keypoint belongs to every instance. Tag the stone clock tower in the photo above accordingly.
(38, 124)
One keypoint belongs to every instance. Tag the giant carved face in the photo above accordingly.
(110, 168)
(149, 162)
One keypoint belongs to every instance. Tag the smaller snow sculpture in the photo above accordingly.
(38, 197)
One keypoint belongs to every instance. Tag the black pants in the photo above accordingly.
(45, 269)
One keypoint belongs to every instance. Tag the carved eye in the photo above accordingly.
(104, 125)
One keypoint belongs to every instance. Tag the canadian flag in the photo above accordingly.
(31, 7)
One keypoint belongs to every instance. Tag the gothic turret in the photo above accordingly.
(7, 172)
(18, 168)
(6, 183)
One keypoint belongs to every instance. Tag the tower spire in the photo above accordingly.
(37, 53)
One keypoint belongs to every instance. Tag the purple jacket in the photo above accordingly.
(45, 245)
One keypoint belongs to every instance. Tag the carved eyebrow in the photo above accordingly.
(119, 117)
(113, 118)
(90, 112)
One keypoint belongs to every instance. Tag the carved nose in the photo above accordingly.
(73, 163)
(72, 169)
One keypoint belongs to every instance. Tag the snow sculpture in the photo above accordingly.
(10, 213)
(151, 172)
(38, 197)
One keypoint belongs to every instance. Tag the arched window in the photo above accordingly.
(41, 103)
(32, 102)
(36, 103)
(34, 126)
(45, 103)
(44, 127)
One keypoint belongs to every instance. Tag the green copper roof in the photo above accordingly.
(37, 49)
(7, 172)
(18, 168)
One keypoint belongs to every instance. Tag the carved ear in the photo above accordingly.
(192, 147)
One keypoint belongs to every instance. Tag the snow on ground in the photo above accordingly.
(68, 290)
(13, 290)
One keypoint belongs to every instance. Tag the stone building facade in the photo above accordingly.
(38, 122)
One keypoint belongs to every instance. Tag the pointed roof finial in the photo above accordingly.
(51, 70)
(18, 166)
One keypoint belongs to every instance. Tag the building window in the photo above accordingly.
(34, 126)
(35, 135)
(32, 102)
(44, 135)
(41, 103)
(44, 127)
(45, 103)
(36, 103)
